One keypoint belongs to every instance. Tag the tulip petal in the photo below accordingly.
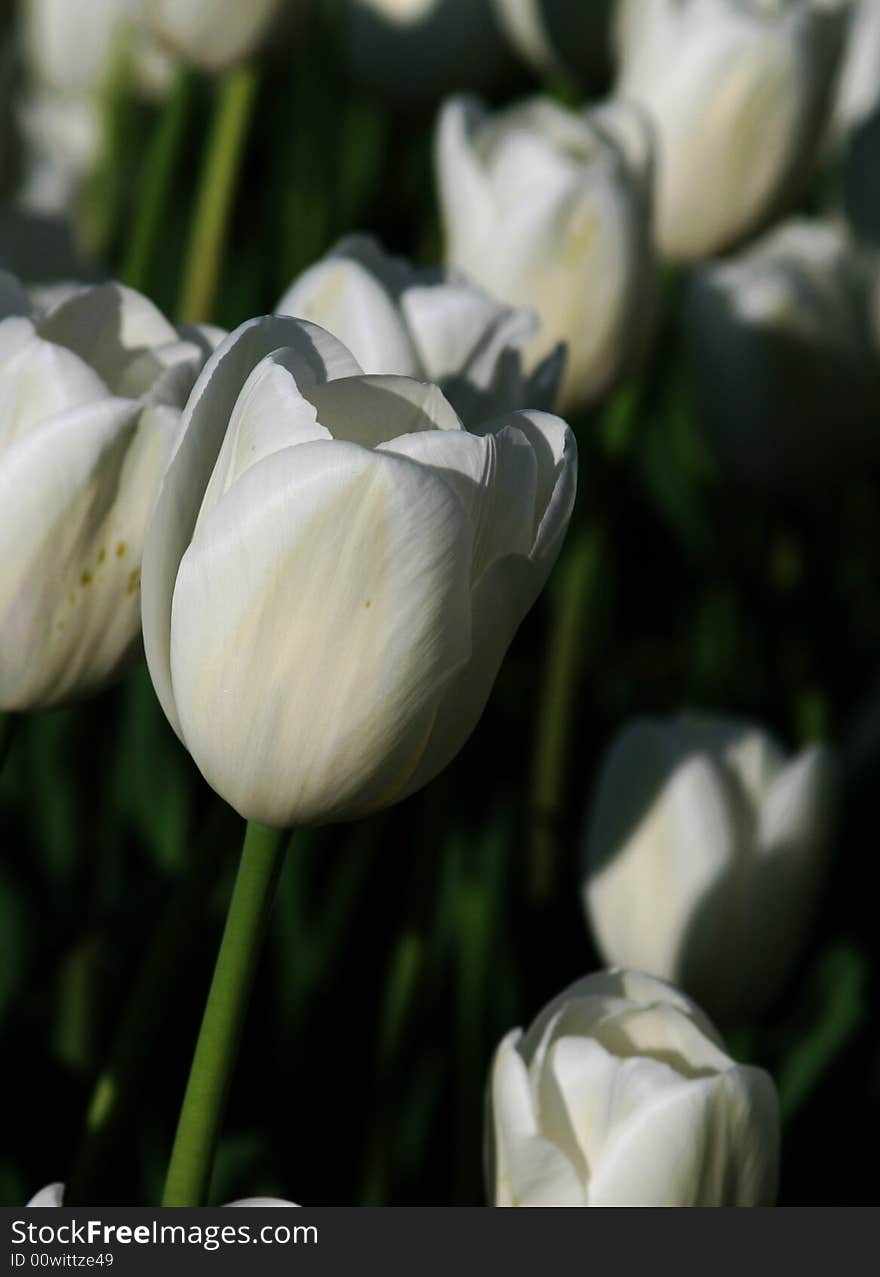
(76, 494)
(51, 1195)
(349, 300)
(262, 1201)
(469, 208)
(523, 1168)
(39, 380)
(320, 357)
(319, 612)
(371, 410)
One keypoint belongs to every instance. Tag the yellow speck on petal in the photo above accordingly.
(86, 578)
(120, 549)
(134, 580)
(369, 603)
(102, 557)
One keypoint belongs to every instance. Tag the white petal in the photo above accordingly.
(372, 410)
(347, 299)
(523, 1168)
(320, 357)
(464, 189)
(262, 1201)
(210, 35)
(51, 1195)
(318, 614)
(39, 380)
(75, 494)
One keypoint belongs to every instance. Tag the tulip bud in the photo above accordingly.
(703, 856)
(739, 93)
(421, 49)
(334, 571)
(90, 397)
(53, 1195)
(428, 324)
(212, 34)
(559, 35)
(785, 369)
(621, 1094)
(549, 208)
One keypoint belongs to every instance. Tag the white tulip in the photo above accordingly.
(782, 350)
(420, 49)
(621, 1094)
(703, 855)
(428, 324)
(858, 93)
(70, 53)
(334, 571)
(211, 34)
(550, 209)
(90, 396)
(555, 35)
(53, 1195)
(738, 92)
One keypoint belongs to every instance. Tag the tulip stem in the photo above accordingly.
(192, 1158)
(156, 182)
(557, 707)
(235, 101)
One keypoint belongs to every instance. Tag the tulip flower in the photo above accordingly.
(738, 93)
(549, 208)
(703, 855)
(334, 570)
(621, 1094)
(211, 34)
(53, 1195)
(431, 325)
(90, 396)
(781, 348)
(559, 35)
(417, 50)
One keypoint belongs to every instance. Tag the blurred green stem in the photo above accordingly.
(198, 1128)
(8, 726)
(235, 101)
(570, 621)
(157, 177)
(119, 1085)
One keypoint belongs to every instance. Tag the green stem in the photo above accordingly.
(235, 101)
(570, 623)
(192, 1157)
(119, 1085)
(157, 177)
(8, 727)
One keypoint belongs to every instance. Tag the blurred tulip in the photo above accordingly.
(621, 1094)
(334, 571)
(421, 49)
(786, 372)
(739, 92)
(90, 397)
(70, 52)
(858, 92)
(703, 856)
(212, 34)
(53, 1195)
(428, 324)
(560, 35)
(550, 209)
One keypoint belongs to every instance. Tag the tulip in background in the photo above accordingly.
(53, 1195)
(739, 93)
(704, 853)
(334, 571)
(621, 1094)
(71, 53)
(858, 93)
(90, 396)
(428, 324)
(550, 209)
(417, 50)
(781, 345)
(212, 34)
